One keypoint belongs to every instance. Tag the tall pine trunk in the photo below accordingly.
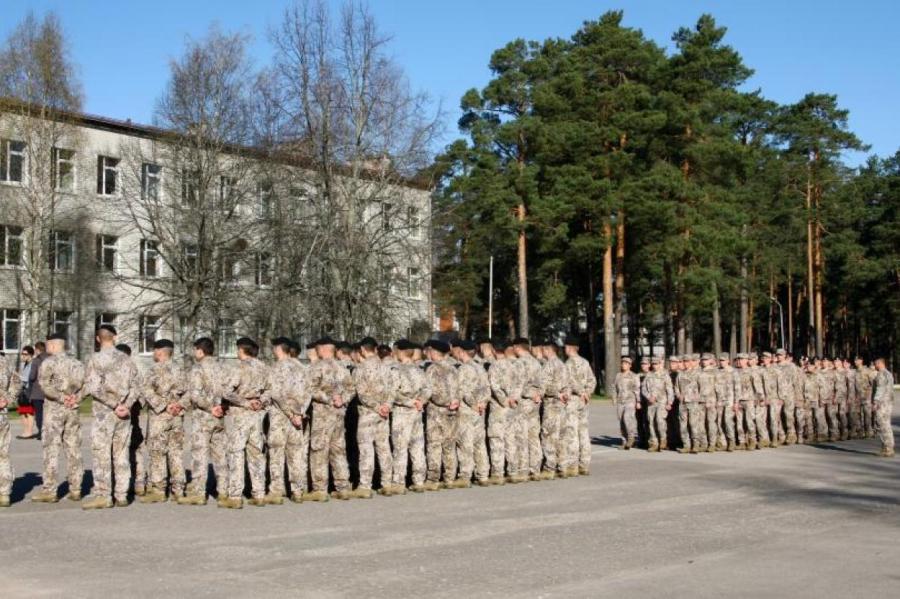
(716, 322)
(609, 336)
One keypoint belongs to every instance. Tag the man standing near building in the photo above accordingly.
(475, 393)
(375, 388)
(61, 380)
(582, 382)
(627, 397)
(110, 378)
(35, 391)
(883, 403)
(441, 417)
(288, 399)
(164, 392)
(205, 388)
(407, 428)
(9, 390)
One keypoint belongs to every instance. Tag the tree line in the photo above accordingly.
(650, 200)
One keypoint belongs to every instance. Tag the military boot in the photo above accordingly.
(496, 481)
(73, 495)
(887, 452)
(45, 497)
(4, 500)
(711, 449)
(261, 501)
(362, 493)
(460, 483)
(297, 497)
(431, 485)
(584, 471)
(140, 489)
(572, 472)
(274, 499)
(96, 503)
(684, 449)
(231, 503)
(192, 499)
(548, 475)
(417, 488)
(344, 495)
(321, 496)
(121, 502)
(729, 447)
(791, 439)
(397, 489)
(483, 482)
(653, 447)
(154, 495)
(663, 445)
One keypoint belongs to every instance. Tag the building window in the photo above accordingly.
(229, 269)
(148, 333)
(12, 241)
(103, 318)
(227, 337)
(149, 258)
(191, 262)
(227, 193)
(265, 200)
(107, 247)
(63, 169)
(151, 180)
(61, 322)
(11, 331)
(62, 251)
(412, 282)
(412, 218)
(107, 175)
(386, 214)
(190, 187)
(264, 270)
(12, 161)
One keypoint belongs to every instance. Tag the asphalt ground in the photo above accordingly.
(802, 521)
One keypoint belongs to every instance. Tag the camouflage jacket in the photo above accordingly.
(706, 385)
(110, 378)
(247, 380)
(556, 378)
(61, 375)
(164, 383)
(769, 376)
(883, 388)
(657, 388)
(504, 384)
(412, 385)
(825, 379)
(725, 381)
(581, 375)
(327, 378)
(474, 387)
(206, 384)
(375, 384)
(626, 388)
(687, 387)
(444, 382)
(10, 383)
(287, 389)
(865, 378)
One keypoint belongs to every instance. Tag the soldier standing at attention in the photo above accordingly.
(557, 393)
(441, 417)
(842, 399)
(475, 393)
(659, 396)
(760, 411)
(204, 392)
(407, 428)
(787, 395)
(883, 402)
(830, 428)
(164, 392)
(375, 388)
(865, 377)
(288, 399)
(745, 401)
(331, 387)
(627, 399)
(769, 375)
(688, 388)
(726, 407)
(109, 378)
(9, 390)
(531, 455)
(501, 376)
(582, 382)
(706, 386)
(61, 377)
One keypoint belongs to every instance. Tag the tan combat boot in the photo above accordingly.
(397, 489)
(320, 496)
(297, 497)
(153, 496)
(121, 502)
(73, 495)
(140, 489)
(497, 481)
(572, 472)
(886, 452)
(362, 493)
(192, 499)
(417, 488)
(461, 483)
(483, 482)
(653, 447)
(431, 485)
(45, 497)
(4, 500)
(344, 495)
(584, 471)
(663, 445)
(274, 499)
(260, 501)
(96, 503)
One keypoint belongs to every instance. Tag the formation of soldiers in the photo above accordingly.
(703, 404)
(421, 419)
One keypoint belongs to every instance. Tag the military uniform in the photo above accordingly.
(248, 381)
(61, 375)
(826, 416)
(407, 428)
(841, 403)
(583, 382)
(769, 375)
(557, 394)
(164, 385)
(626, 398)
(787, 397)
(475, 394)
(726, 409)
(745, 399)
(287, 398)
(441, 422)
(883, 403)
(504, 389)
(375, 387)
(110, 378)
(806, 404)
(659, 396)
(706, 387)
(205, 389)
(760, 411)
(688, 389)
(865, 377)
(327, 442)
(854, 405)
(9, 390)
(531, 455)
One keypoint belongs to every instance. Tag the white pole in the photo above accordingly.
(491, 299)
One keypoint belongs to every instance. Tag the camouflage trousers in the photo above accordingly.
(244, 444)
(868, 417)
(136, 447)
(883, 427)
(497, 425)
(854, 414)
(288, 446)
(471, 447)
(762, 425)
(531, 456)
(328, 447)
(441, 427)
(820, 422)
(843, 417)
(657, 425)
(110, 439)
(802, 422)
(165, 443)
(6, 471)
(627, 417)
(725, 418)
(776, 431)
(832, 414)
(373, 437)
(694, 435)
(513, 441)
(552, 434)
(745, 419)
(208, 443)
(576, 438)
(714, 433)
(408, 438)
(788, 409)
(62, 426)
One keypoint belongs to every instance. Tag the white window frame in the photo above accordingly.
(55, 244)
(190, 188)
(7, 234)
(413, 290)
(264, 272)
(149, 247)
(386, 215)
(108, 170)
(58, 160)
(191, 253)
(230, 268)
(6, 157)
(61, 321)
(265, 199)
(10, 315)
(110, 243)
(148, 332)
(151, 172)
(226, 337)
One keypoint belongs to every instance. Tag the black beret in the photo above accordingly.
(572, 340)
(108, 328)
(246, 341)
(457, 342)
(281, 341)
(438, 345)
(368, 341)
(384, 348)
(326, 340)
(521, 341)
(344, 346)
(483, 341)
(467, 345)
(404, 344)
(500, 344)
(399, 341)
(163, 344)
(56, 337)
(311, 345)
(124, 348)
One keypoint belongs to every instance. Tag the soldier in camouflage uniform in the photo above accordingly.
(557, 394)
(627, 399)
(659, 397)
(808, 397)
(706, 387)
(726, 407)
(829, 428)
(841, 399)
(688, 389)
(10, 384)
(504, 390)
(745, 401)
(164, 392)
(818, 408)
(136, 445)
(771, 415)
(375, 387)
(761, 410)
(576, 438)
(288, 400)
(788, 391)
(883, 402)
(854, 406)
(109, 378)
(407, 428)
(475, 394)
(441, 417)
(331, 387)
(61, 377)
(865, 377)
(205, 388)
(531, 455)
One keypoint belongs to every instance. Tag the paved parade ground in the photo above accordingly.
(803, 521)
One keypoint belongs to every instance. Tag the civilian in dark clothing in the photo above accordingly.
(35, 393)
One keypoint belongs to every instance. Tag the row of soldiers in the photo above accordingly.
(754, 404)
(431, 417)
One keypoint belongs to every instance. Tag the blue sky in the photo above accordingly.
(795, 46)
